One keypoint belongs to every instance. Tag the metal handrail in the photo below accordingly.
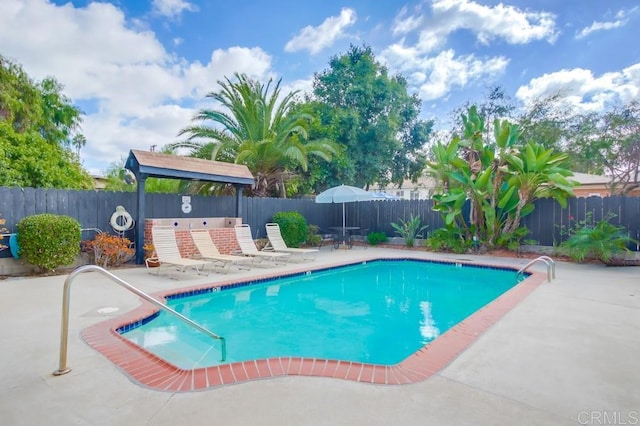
(551, 266)
(64, 333)
(96, 230)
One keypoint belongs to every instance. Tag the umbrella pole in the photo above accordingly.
(344, 239)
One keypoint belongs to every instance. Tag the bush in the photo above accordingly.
(293, 227)
(49, 241)
(110, 250)
(512, 241)
(449, 238)
(409, 229)
(313, 239)
(601, 240)
(375, 238)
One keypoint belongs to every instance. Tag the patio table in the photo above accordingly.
(343, 235)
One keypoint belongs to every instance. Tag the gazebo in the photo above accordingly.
(145, 164)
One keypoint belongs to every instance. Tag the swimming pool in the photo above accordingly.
(377, 312)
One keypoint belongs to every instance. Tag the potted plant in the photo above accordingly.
(150, 258)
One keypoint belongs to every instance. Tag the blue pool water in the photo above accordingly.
(379, 312)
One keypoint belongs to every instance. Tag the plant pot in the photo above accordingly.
(152, 263)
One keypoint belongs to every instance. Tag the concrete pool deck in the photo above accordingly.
(567, 354)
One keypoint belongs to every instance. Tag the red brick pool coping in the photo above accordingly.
(153, 372)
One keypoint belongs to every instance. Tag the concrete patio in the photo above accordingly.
(568, 354)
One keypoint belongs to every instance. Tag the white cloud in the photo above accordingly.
(435, 72)
(445, 72)
(582, 91)
(599, 26)
(622, 18)
(110, 136)
(143, 94)
(509, 23)
(172, 8)
(303, 86)
(202, 79)
(435, 76)
(317, 38)
(85, 41)
(404, 23)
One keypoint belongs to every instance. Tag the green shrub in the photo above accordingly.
(293, 227)
(450, 239)
(313, 239)
(409, 229)
(601, 240)
(512, 241)
(49, 241)
(375, 238)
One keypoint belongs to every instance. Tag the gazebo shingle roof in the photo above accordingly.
(155, 164)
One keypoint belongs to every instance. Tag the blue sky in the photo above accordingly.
(141, 68)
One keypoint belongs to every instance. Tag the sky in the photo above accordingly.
(140, 69)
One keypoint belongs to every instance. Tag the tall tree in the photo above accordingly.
(20, 99)
(259, 127)
(115, 176)
(546, 121)
(609, 142)
(35, 123)
(60, 118)
(496, 105)
(28, 160)
(78, 142)
(371, 114)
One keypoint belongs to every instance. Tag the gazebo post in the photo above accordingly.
(238, 200)
(141, 178)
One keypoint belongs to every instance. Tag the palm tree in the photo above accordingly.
(259, 128)
(78, 142)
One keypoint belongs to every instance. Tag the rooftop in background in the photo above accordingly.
(99, 181)
(589, 179)
(589, 185)
(596, 186)
(420, 190)
(155, 164)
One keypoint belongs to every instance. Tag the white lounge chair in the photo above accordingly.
(209, 251)
(248, 247)
(168, 253)
(278, 245)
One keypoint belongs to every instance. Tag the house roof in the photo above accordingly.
(425, 182)
(588, 179)
(154, 164)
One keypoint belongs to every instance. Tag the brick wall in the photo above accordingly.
(221, 231)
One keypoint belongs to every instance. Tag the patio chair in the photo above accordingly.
(361, 236)
(168, 253)
(277, 244)
(248, 247)
(209, 251)
(327, 238)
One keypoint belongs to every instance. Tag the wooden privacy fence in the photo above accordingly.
(549, 223)
(93, 209)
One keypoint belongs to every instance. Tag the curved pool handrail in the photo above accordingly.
(551, 266)
(64, 332)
